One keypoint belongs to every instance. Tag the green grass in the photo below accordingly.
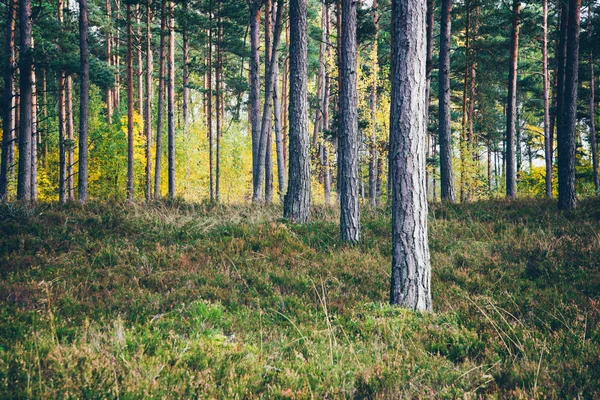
(180, 300)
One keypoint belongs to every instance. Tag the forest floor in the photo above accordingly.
(174, 300)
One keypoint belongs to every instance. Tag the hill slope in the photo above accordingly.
(180, 300)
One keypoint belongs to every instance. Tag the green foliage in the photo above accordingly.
(187, 300)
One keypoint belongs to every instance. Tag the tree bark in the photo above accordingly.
(7, 99)
(139, 73)
(592, 106)
(71, 140)
(186, 74)
(279, 134)
(325, 107)
(255, 94)
(109, 91)
(161, 97)
(428, 68)
(348, 129)
(171, 101)
(297, 200)
(567, 199)
(148, 108)
(129, 104)
(411, 269)
(218, 104)
(62, 125)
(445, 133)
(34, 134)
(210, 107)
(25, 86)
(84, 96)
(373, 171)
(547, 132)
(511, 108)
(267, 109)
(270, 16)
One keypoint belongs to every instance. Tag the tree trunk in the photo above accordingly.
(255, 94)
(547, 132)
(129, 104)
(348, 129)
(34, 134)
(567, 133)
(171, 100)
(325, 107)
(428, 68)
(148, 108)
(161, 97)
(463, 131)
(139, 73)
(109, 91)
(445, 133)
(84, 96)
(297, 200)
(25, 85)
(592, 104)
(373, 171)
(511, 108)
(267, 109)
(186, 74)
(210, 107)
(71, 140)
(218, 104)
(279, 134)
(285, 88)
(411, 269)
(117, 61)
(270, 16)
(7, 99)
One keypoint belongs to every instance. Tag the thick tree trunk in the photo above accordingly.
(161, 97)
(348, 129)
(411, 269)
(592, 107)
(148, 108)
(297, 200)
(255, 94)
(567, 199)
(25, 85)
(129, 104)
(171, 101)
(445, 133)
(7, 99)
(84, 96)
(547, 132)
(511, 108)
(373, 171)
(267, 109)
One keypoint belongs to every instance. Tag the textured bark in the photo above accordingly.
(285, 89)
(592, 104)
(445, 133)
(186, 74)
(7, 99)
(25, 86)
(84, 96)
(428, 68)
(218, 104)
(139, 74)
(561, 54)
(325, 107)
(348, 129)
(255, 90)
(567, 199)
(267, 109)
(277, 114)
(109, 91)
(547, 132)
(297, 200)
(171, 101)
(373, 171)
(148, 107)
(411, 269)
(161, 97)
(270, 9)
(129, 105)
(117, 61)
(463, 131)
(511, 104)
(210, 107)
(34, 135)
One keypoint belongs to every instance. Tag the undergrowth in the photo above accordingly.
(177, 300)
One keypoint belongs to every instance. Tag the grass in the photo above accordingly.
(176, 300)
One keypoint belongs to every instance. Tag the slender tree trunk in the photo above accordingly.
(270, 17)
(445, 133)
(62, 123)
(171, 100)
(84, 95)
(592, 104)
(285, 88)
(34, 134)
(567, 199)
(411, 269)
(25, 125)
(463, 131)
(279, 134)
(148, 108)
(186, 73)
(373, 171)
(267, 110)
(547, 132)
(428, 68)
(255, 95)
(210, 107)
(511, 109)
(7, 99)
(325, 107)
(44, 142)
(71, 139)
(297, 200)
(348, 129)
(561, 54)
(129, 104)
(161, 97)
(109, 91)
(117, 61)
(218, 104)
(139, 73)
